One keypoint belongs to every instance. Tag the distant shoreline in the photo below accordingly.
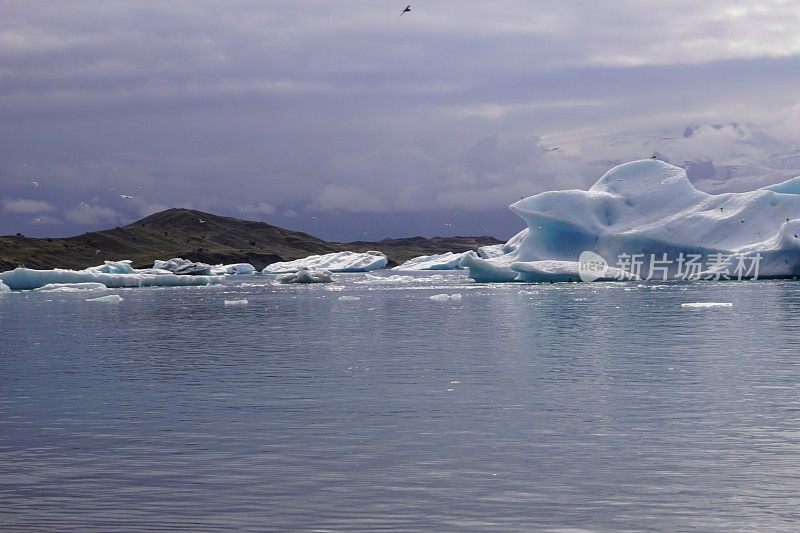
(208, 238)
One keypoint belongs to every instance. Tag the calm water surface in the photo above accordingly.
(574, 406)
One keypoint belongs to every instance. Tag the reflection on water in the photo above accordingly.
(602, 406)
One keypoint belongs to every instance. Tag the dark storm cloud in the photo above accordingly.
(284, 110)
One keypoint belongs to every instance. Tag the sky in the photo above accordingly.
(348, 121)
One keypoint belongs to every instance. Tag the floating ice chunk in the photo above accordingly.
(648, 209)
(110, 299)
(708, 304)
(396, 279)
(4, 288)
(304, 275)
(71, 287)
(446, 261)
(184, 267)
(446, 297)
(334, 262)
(27, 278)
(236, 302)
(236, 269)
(349, 298)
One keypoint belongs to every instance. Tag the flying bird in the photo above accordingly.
(84, 204)
(125, 197)
(201, 220)
(35, 183)
(40, 219)
(555, 149)
(406, 10)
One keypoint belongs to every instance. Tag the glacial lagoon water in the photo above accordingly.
(598, 407)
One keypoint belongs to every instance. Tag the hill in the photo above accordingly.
(203, 237)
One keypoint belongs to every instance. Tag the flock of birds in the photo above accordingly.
(42, 219)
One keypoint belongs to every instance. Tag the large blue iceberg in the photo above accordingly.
(645, 220)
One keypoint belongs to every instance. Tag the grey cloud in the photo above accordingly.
(27, 207)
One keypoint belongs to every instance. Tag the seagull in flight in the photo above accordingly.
(84, 204)
(40, 219)
(125, 197)
(35, 183)
(406, 10)
(201, 220)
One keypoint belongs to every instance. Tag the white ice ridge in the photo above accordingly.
(72, 287)
(446, 261)
(335, 262)
(112, 274)
(649, 209)
(4, 287)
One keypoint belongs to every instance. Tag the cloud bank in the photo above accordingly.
(363, 119)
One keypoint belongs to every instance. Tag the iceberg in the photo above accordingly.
(304, 275)
(236, 302)
(645, 220)
(4, 288)
(334, 262)
(21, 279)
(446, 261)
(184, 267)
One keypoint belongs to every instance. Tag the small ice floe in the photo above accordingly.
(349, 298)
(4, 287)
(110, 299)
(236, 302)
(528, 293)
(71, 287)
(446, 297)
(304, 275)
(704, 305)
(235, 269)
(370, 278)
